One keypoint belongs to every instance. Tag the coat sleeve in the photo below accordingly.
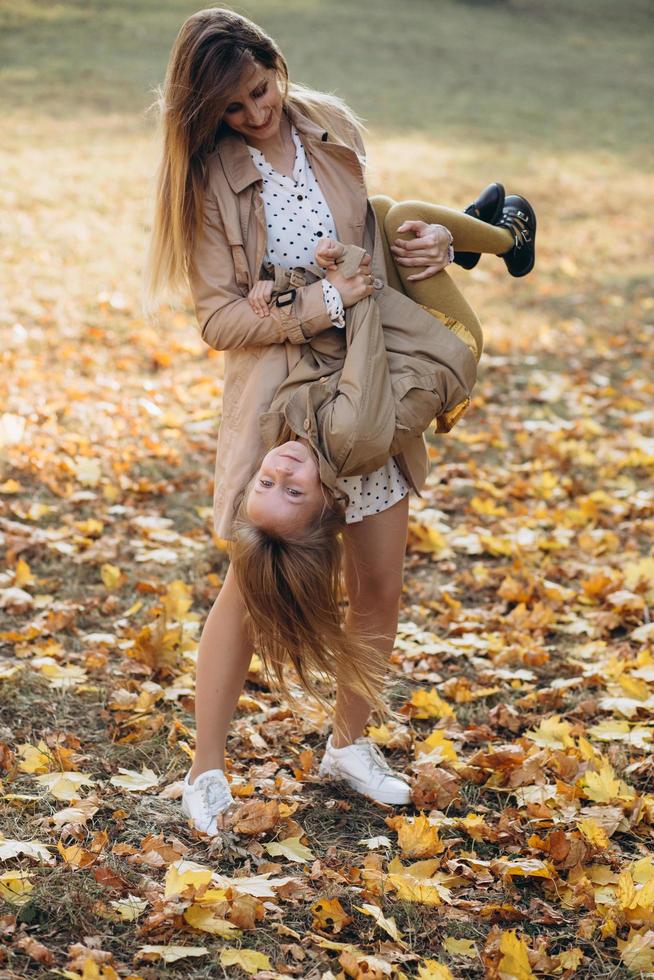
(357, 424)
(225, 318)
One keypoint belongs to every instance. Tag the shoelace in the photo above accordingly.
(378, 760)
(215, 796)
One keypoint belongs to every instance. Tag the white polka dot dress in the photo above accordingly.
(297, 217)
(373, 492)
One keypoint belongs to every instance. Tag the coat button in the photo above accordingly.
(307, 425)
(300, 197)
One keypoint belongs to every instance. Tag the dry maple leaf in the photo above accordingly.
(329, 915)
(434, 787)
(255, 817)
(416, 836)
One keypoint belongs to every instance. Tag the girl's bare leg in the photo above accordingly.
(223, 661)
(374, 563)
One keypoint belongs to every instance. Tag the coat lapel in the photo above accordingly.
(345, 197)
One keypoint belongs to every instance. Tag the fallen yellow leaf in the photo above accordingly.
(249, 960)
(460, 947)
(15, 886)
(329, 914)
(442, 748)
(429, 704)
(183, 875)
(416, 836)
(593, 833)
(292, 849)
(203, 917)
(433, 970)
(514, 963)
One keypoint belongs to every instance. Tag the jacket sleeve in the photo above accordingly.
(358, 422)
(225, 318)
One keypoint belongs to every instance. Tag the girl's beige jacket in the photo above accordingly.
(261, 352)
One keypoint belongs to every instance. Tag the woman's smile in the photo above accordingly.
(265, 125)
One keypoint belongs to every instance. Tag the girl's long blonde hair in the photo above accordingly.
(293, 592)
(211, 52)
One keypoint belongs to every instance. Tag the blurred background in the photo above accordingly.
(552, 98)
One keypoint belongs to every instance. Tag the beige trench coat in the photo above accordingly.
(260, 352)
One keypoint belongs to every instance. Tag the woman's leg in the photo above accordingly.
(223, 661)
(374, 563)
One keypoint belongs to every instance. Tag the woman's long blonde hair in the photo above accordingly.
(209, 56)
(293, 592)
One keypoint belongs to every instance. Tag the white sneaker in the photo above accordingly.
(207, 796)
(364, 768)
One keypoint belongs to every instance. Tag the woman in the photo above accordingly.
(226, 90)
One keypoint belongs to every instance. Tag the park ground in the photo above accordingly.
(523, 675)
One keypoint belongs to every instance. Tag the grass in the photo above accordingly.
(531, 74)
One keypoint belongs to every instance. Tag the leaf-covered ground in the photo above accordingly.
(523, 674)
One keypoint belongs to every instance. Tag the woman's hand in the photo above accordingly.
(430, 248)
(357, 286)
(260, 295)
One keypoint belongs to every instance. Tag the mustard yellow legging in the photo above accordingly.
(438, 292)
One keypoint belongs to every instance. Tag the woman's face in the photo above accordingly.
(286, 492)
(255, 109)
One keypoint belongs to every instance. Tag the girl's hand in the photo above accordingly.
(327, 251)
(260, 296)
(430, 248)
(357, 286)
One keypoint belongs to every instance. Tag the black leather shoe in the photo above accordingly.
(519, 217)
(488, 208)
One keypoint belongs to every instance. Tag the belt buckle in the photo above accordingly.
(296, 277)
(289, 297)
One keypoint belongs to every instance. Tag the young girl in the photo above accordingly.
(348, 405)
(228, 110)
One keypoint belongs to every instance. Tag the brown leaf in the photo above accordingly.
(255, 817)
(156, 853)
(35, 950)
(504, 716)
(245, 911)
(109, 878)
(502, 758)
(434, 787)
(7, 757)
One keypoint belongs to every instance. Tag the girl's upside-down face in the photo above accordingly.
(286, 493)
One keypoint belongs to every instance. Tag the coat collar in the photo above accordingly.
(235, 157)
